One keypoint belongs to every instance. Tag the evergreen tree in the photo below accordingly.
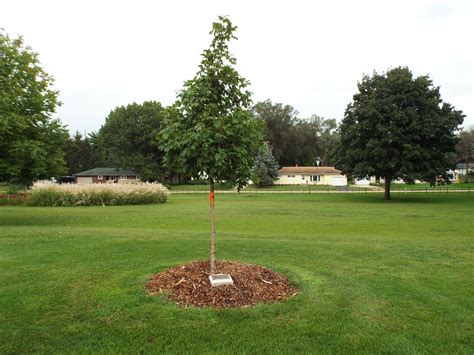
(265, 168)
(81, 154)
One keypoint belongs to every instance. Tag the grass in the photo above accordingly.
(302, 187)
(316, 188)
(374, 276)
(423, 186)
(198, 187)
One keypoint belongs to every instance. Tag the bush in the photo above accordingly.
(12, 199)
(97, 194)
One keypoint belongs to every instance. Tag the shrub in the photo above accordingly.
(12, 199)
(96, 194)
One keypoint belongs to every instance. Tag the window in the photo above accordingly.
(302, 177)
(315, 178)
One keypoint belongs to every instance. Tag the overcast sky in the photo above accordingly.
(309, 54)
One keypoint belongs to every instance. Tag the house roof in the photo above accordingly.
(308, 170)
(106, 171)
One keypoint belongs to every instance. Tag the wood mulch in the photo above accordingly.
(189, 285)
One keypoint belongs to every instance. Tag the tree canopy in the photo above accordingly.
(82, 153)
(296, 140)
(31, 140)
(128, 138)
(279, 121)
(210, 129)
(397, 127)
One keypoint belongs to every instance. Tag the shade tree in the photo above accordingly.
(398, 127)
(31, 140)
(128, 139)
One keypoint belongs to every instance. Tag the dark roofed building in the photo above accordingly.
(104, 176)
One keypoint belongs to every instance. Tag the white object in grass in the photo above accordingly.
(220, 279)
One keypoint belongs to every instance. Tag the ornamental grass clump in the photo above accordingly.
(97, 194)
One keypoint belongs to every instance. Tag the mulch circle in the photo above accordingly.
(189, 285)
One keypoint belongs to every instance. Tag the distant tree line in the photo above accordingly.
(396, 126)
(127, 139)
(297, 141)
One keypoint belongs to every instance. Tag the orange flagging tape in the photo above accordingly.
(211, 198)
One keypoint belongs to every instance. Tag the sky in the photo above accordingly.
(308, 54)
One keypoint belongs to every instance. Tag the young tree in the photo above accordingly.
(397, 127)
(465, 149)
(211, 129)
(31, 141)
(129, 138)
(265, 167)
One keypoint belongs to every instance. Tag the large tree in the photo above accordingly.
(82, 154)
(327, 137)
(210, 130)
(397, 127)
(31, 141)
(294, 140)
(279, 121)
(128, 137)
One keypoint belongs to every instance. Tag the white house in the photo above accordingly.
(310, 175)
(461, 169)
(362, 182)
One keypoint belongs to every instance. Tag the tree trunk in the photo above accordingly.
(388, 180)
(213, 230)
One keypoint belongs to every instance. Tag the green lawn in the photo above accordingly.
(374, 277)
(191, 188)
(316, 188)
(302, 187)
(424, 186)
